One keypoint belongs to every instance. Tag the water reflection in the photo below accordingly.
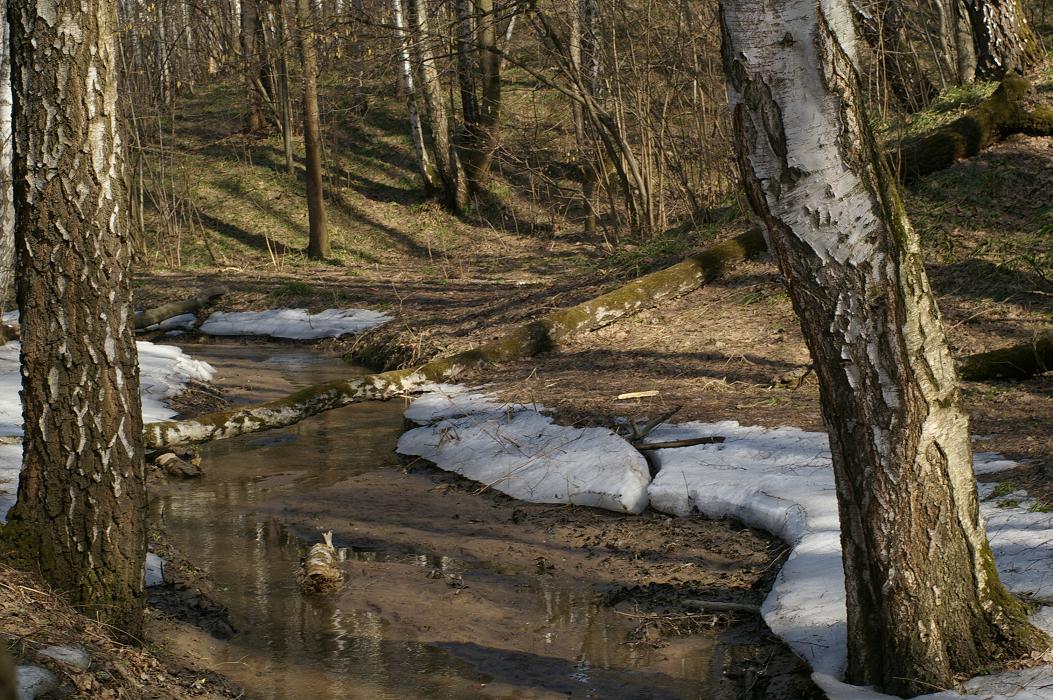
(290, 646)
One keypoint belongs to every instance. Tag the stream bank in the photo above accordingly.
(451, 590)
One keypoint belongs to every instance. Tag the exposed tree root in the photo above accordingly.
(1015, 362)
(159, 313)
(1003, 113)
(524, 341)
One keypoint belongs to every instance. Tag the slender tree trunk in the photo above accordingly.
(881, 24)
(7, 205)
(964, 47)
(585, 67)
(924, 599)
(454, 185)
(1002, 39)
(424, 164)
(284, 95)
(80, 512)
(483, 131)
(318, 247)
(249, 29)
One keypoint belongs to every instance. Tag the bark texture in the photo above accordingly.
(525, 341)
(318, 245)
(81, 502)
(7, 204)
(924, 599)
(420, 148)
(1002, 39)
(1003, 113)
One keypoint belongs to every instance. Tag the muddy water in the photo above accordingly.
(414, 621)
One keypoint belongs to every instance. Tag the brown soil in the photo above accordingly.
(33, 617)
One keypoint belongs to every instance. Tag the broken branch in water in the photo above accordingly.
(320, 571)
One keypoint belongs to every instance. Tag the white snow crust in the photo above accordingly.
(295, 324)
(165, 371)
(525, 454)
(781, 480)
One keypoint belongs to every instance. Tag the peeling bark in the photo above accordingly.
(524, 341)
(80, 512)
(1002, 39)
(7, 204)
(924, 599)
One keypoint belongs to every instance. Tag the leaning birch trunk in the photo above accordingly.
(7, 204)
(1002, 39)
(80, 514)
(455, 187)
(898, 435)
(427, 172)
(524, 341)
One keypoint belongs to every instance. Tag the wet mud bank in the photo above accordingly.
(450, 590)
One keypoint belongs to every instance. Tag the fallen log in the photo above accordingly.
(1015, 362)
(1003, 113)
(720, 606)
(320, 570)
(689, 442)
(523, 341)
(157, 314)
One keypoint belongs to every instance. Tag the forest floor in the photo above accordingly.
(720, 352)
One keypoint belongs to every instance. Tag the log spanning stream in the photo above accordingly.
(447, 594)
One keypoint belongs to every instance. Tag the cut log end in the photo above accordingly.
(320, 572)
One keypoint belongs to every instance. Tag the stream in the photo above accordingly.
(428, 610)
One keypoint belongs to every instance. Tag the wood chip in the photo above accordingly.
(636, 395)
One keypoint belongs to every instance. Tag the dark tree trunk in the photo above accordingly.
(318, 247)
(81, 502)
(899, 438)
(585, 66)
(1002, 39)
(284, 95)
(249, 29)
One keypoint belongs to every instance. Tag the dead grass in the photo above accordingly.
(33, 617)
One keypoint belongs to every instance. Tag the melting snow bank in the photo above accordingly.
(520, 452)
(165, 371)
(295, 324)
(781, 480)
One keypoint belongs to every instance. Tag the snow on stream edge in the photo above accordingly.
(776, 479)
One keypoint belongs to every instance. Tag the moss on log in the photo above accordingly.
(1015, 362)
(159, 313)
(1003, 113)
(521, 342)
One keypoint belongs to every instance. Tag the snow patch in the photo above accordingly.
(165, 371)
(781, 480)
(296, 324)
(526, 455)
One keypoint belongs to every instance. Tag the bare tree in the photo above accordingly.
(7, 205)
(420, 148)
(249, 30)
(318, 246)
(80, 513)
(924, 599)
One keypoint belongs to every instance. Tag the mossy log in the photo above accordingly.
(157, 314)
(1015, 362)
(523, 341)
(1003, 113)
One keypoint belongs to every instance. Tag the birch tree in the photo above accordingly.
(79, 514)
(924, 599)
(1002, 39)
(7, 205)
